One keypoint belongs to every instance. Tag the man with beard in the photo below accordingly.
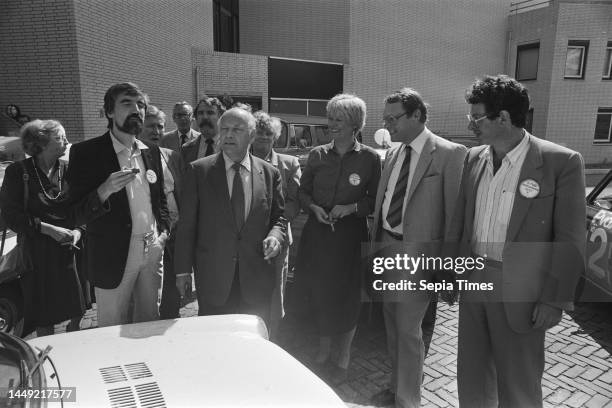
(182, 114)
(125, 243)
(208, 111)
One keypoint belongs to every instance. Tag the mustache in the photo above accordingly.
(206, 122)
(135, 116)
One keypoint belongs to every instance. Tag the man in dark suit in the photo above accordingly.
(208, 111)
(124, 246)
(182, 114)
(521, 207)
(173, 169)
(231, 225)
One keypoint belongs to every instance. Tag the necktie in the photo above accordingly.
(183, 139)
(394, 215)
(237, 198)
(209, 147)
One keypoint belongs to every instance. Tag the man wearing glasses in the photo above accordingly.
(182, 115)
(414, 205)
(521, 207)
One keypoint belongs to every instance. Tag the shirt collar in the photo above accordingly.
(513, 155)
(356, 146)
(119, 147)
(246, 162)
(272, 158)
(419, 141)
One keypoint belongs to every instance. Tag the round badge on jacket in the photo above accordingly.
(151, 176)
(529, 188)
(354, 179)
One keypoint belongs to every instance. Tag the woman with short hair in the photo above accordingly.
(52, 290)
(338, 189)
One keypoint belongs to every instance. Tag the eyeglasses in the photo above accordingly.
(391, 119)
(182, 115)
(473, 120)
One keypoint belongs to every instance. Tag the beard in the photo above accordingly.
(132, 125)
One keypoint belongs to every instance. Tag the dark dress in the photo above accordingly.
(52, 292)
(329, 261)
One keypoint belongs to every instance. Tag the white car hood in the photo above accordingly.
(200, 361)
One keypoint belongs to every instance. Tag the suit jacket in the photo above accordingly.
(208, 239)
(290, 171)
(108, 235)
(170, 140)
(545, 242)
(177, 168)
(431, 194)
(190, 149)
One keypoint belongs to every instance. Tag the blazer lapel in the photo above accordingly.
(425, 159)
(470, 208)
(221, 192)
(530, 170)
(259, 186)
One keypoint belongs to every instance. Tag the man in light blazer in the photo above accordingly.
(522, 208)
(414, 205)
(231, 225)
(125, 244)
(182, 114)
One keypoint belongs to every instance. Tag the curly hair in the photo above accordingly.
(498, 93)
(265, 122)
(35, 135)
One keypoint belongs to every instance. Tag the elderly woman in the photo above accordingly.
(52, 291)
(338, 188)
(267, 131)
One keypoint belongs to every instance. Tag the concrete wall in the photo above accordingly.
(143, 41)
(304, 29)
(39, 63)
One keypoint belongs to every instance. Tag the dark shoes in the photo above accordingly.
(383, 398)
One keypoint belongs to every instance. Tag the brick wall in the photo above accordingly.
(237, 74)
(39, 64)
(574, 103)
(525, 28)
(143, 41)
(437, 47)
(304, 29)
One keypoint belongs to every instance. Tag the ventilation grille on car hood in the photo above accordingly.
(133, 393)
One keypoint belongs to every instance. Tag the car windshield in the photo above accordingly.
(604, 198)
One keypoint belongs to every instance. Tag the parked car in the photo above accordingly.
(597, 281)
(298, 139)
(207, 361)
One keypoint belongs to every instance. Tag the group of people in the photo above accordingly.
(155, 207)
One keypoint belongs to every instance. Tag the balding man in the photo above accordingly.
(231, 225)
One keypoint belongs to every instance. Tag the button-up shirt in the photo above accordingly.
(416, 147)
(138, 192)
(204, 146)
(330, 179)
(245, 175)
(495, 199)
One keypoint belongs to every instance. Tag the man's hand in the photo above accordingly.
(183, 284)
(115, 182)
(340, 211)
(321, 214)
(271, 248)
(545, 316)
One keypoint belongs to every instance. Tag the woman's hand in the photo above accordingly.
(320, 213)
(62, 235)
(340, 211)
(76, 237)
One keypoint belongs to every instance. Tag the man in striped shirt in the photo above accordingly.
(521, 207)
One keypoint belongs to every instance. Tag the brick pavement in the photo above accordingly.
(578, 357)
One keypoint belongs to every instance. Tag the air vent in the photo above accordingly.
(113, 374)
(138, 370)
(121, 398)
(150, 396)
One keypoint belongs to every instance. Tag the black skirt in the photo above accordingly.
(329, 272)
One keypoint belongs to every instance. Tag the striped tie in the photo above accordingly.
(394, 215)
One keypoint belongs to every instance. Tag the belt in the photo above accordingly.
(394, 235)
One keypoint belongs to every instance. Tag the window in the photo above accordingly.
(607, 70)
(575, 60)
(225, 26)
(303, 138)
(603, 126)
(529, 121)
(281, 142)
(527, 61)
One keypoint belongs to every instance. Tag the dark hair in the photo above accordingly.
(411, 100)
(498, 93)
(211, 101)
(114, 91)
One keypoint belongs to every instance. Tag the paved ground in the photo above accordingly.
(578, 360)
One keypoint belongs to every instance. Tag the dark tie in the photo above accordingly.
(238, 197)
(394, 215)
(209, 147)
(183, 139)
